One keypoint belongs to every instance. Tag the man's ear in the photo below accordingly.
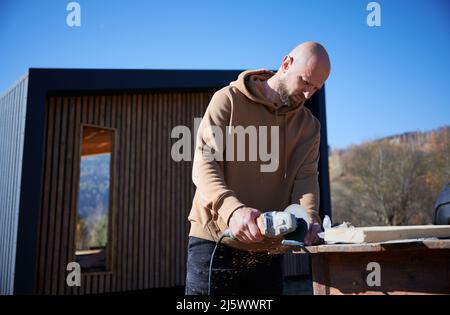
(287, 62)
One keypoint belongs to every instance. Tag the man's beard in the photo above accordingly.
(285, 98)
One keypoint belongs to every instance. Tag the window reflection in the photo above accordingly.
(93, 199)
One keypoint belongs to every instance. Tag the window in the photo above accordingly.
(93, 213)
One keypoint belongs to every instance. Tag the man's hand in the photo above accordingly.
(243, 225)
(311, 237)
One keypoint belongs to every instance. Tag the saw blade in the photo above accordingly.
(302, 223)
(299, 212)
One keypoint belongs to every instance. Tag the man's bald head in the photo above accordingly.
(302, 72)
(312, 56)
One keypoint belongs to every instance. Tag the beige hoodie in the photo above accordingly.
(223, 186)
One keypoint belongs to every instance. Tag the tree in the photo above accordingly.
(387, 182)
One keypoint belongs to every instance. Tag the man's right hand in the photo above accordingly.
(244, 226)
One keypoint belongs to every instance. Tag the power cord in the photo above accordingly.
(228, 233)
(211, 260)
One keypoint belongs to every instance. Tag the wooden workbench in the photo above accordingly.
(406, 267)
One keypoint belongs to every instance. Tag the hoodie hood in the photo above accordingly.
(250, 83)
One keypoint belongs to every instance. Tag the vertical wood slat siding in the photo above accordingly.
(12, 128)
(295, 265)
(151, 194)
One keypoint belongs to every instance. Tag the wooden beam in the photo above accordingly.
(375, 234)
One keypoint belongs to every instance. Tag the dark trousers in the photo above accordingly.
(234, 272)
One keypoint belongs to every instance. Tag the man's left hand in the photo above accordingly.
(312, 237)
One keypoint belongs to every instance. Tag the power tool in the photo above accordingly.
(292, 224)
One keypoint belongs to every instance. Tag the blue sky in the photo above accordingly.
(385, 80)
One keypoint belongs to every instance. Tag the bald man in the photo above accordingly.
(232, 193)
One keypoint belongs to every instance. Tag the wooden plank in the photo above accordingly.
(94, 283)
(108, 109)
(113, 230)
(141, 191)
(147, 178)
(189, 114)
(177, 246)
(90, 110)
(169, 193)
(58, 270)
(385, 233)
(122, 272)
(117, 279)
(118, 266)
(54, 199)
(43, 237)
(67, 209)
(173, 246)
(87, 284)
(140, 170)
(182, 187)
(153, 205)
(101, 117)
(80, 109)
(167, 224)
(128, 195)
(159, 203)
(101, 283)
(97, 117)
(107, 283)
(133, 188)
(101, 106)
(377, 247)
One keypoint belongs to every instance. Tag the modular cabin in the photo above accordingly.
(87, 177)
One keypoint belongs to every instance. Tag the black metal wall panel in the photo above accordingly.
(12, 126)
